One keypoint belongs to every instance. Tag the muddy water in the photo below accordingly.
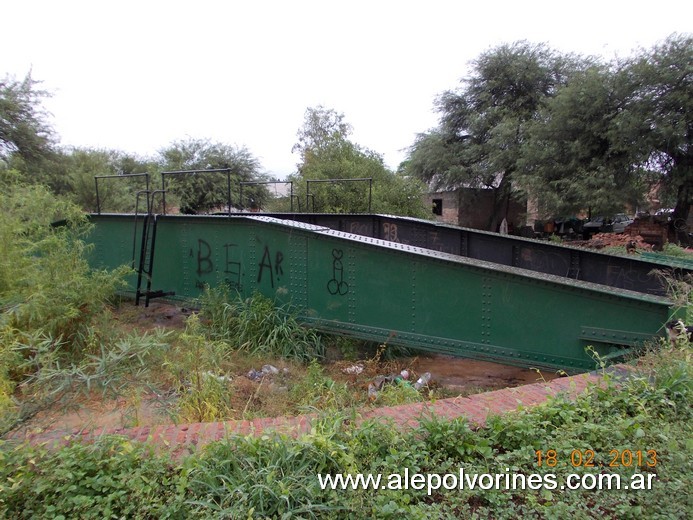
(469, 374)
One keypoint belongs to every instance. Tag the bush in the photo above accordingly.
(45, 280)
(113, 478)
(267, 477)
(49, 296)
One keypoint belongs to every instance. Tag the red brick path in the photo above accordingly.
(476, 408)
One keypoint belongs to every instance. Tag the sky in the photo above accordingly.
(138, 75)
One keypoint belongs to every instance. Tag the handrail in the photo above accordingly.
(125, 176)
(194, 172)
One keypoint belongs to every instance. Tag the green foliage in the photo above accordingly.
(259, 325)
(112, 478)
(348, 347)
(614, 131)
(109, 366)
(206, 192)
(318, 391)
(322, 128)
(654, 118)
(49, 301)
(328, 154)
(115, 195)
(9, 361)
(572, 133)
(399, 393)
(24, 127)
(276, 476)
(573, 158)
(680, 291)
(453, 439)
(207, 399)
(267, 477)
(52, 373)
(484, 123)
(205, 394)
(45, 280)
(676, 251)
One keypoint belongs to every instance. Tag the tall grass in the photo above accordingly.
(205, 395)
(52, 377)
(259, 326)
(269, 477)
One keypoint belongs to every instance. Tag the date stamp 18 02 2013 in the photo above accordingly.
(589, 458)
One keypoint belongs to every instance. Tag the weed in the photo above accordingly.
(266, 477)
(348, 347)
(317, 391)
(258, 326)
(399, 393)
(680, 291)
(675, 251)
(131, 416)
(205, 394)
(452, 439)
(206, 400)
(52, 376)
(112, 478)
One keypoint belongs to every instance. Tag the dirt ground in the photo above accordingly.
(450, 377)
(463, 375)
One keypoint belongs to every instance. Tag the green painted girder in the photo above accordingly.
(114, 243)
(389, 292)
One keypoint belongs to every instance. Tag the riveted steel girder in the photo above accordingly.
(389, 291)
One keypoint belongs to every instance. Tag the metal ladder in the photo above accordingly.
(145, 267)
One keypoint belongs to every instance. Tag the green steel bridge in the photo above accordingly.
(403, 281)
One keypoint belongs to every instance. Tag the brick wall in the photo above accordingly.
(650, 229)
(449, 202)
(472, 208)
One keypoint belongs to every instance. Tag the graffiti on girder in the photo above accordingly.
(337, 285)
(275, 270)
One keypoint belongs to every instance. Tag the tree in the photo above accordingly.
(322, 127)
(117, 194)
(205, 192)
(613, 131)
(657, 117)
(484, 123)
(574, 158)
(328, 154)
(24, 127)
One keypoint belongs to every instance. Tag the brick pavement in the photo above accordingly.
(475, 408)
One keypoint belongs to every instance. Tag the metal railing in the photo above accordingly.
(227, 171)
(260, 183)
(127, 176)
